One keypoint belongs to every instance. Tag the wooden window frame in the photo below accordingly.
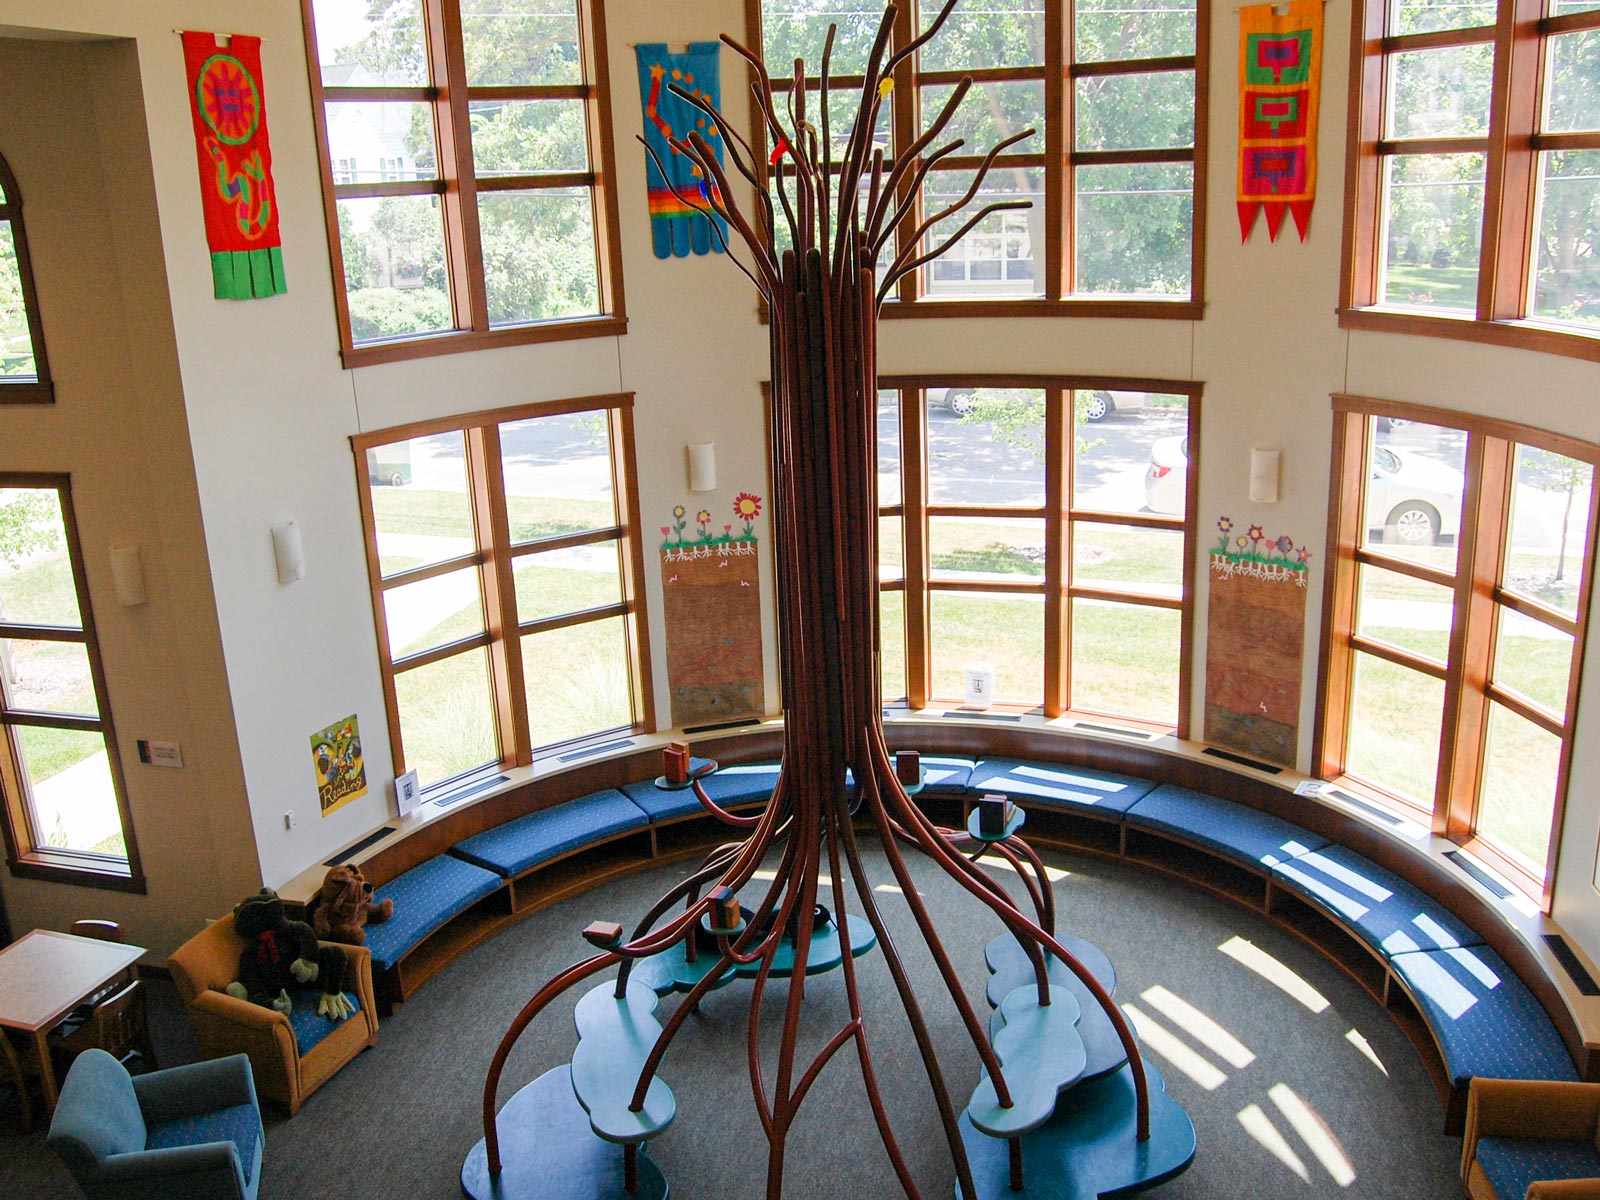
(1061, 519)
(458, 186)
(493, 557)
(1511, 148)
(1059, 159)
(26, 854)
(38, 390)
(1478, 596)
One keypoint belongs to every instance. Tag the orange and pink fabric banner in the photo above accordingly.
(1280, 85)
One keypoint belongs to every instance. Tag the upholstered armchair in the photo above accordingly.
(1531, 1139)
(191, 1131)
(292, 1055)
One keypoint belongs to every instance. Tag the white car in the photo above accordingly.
(1166, 479)
(1100, 405)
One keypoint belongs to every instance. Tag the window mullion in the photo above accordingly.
(914, 498)
(1363, 232)
(1057, 172)
(452, 121)
(1512, 163)
(624, 456)
(907, 116)
(493, 531)
(1058, 450)
(1331, 740)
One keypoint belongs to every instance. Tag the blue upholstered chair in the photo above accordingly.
(1531, 1138)
(192, 1131)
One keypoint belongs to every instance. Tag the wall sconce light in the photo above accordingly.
(288, 552)
(127, 576)
(702, 466)
(1264, 470)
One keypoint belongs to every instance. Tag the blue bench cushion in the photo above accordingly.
(1057, 786)
(309, 1029)
(240, 1125)
(1389, 914)
(425, 897)
(1485, 1019)
(1513, 1163)
(1243, 834)
(730, 787)
(512, 848)
(945, 776)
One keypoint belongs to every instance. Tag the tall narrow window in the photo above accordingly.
(469, 172)
(24, 371)
(1456, 620)
(65, 807)
(505, 563)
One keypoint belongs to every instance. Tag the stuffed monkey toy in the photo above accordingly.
(280, 953)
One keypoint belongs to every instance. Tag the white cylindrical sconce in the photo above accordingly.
(1264, 468)
(287, 551)
(127, 576)
(702, 466)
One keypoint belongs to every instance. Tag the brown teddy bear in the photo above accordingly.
(344, 905)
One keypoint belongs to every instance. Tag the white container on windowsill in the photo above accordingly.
(980, 685)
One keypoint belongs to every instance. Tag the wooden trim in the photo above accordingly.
(546, 181)
(1142, 310)
(38, 390)
(1095, 516)
(1059, 269)
(424, 94)
(1525, 435)
(1505, 263)
(602, 135)
(630, 562)
(448, 566)
(1200, 209)
(1535, 611)
(914, 529)
(995, 511)
(380, 623)
(1037, 73)
(1570, 140)
(1570, 22)
(497, 587)
(1525, 335)
(531, 91)
(1059, 460)
(1090, 591)
(1132, 66)
(1187, 674)
(391, 187)
(41, 633)
(1436, 39)
(1432, 145)
(1373, 557)
(583, 616)
(1526, 709)
(487, 416)
(568, 541)
(460, 341)
(437, 654)
(463, 244)
(30, 718)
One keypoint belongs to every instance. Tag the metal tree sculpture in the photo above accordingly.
(824, 294)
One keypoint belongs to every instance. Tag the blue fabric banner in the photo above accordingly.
(675, 227)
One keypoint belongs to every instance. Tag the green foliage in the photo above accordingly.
(1015, 417)
(30, 521)
(16, 342)
(394, 312)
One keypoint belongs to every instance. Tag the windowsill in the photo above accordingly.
(1567, 340)
(34, 391)
(56, 867)
(458, 341)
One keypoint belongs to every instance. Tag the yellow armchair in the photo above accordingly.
(1531, 1139)
(204, 965)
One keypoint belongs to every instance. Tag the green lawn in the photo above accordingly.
(1415, 286)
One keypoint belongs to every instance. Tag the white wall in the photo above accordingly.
(1269, 352)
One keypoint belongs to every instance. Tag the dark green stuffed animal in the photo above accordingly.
(280, 954)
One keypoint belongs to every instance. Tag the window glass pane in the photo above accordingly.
(1395, 720)
(16, 342)
(1138, 560)
(1429, 16)
(1433, 216)
(995, 33)
(1574, 101)
(387, 141)
(1561, 7)
(512, 42)
(1003, 255)
(1517, 801)
(526, 137)
(1566, 284)
(1126, 660)
(433, 612)
(1534, 660)
(447, 716)
(1003, 632)
(888, 448)
(361, 44)
(1415, 478)
(891, 553)
(36, 585)
(1549, 528)
(1136, 112)
(990, 113)
(72, 796)
(50, 677)
(577, 680)
(970, 548)
(554, 582)
(1134, 233)
(394, 268)
(420, 502)
(991, 454)
(1440, 93)
(557, 474)
(1404, 612)
(1114, 29)
(539, 258)
(892, 644)
(1131, 451)
(792, 29)
(843, 104)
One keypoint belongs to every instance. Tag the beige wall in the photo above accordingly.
(265, 376)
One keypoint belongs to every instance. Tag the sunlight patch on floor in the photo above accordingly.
(1178, 1053)
(1250, 956)
(1259, 1126)
(1053, 874)
(1314, 1132)
(1199, 1026)
(1361, 1044)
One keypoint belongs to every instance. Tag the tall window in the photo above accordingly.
(1039, 527)
(504, 558)
(1475, 206)
(61, 779)
(24, 372)
(1456, 621)
(468, 172)
(1114, 171)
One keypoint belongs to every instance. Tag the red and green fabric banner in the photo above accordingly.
(1280, 84)
(229, 108)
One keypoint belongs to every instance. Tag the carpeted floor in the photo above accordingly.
(1298, 1083)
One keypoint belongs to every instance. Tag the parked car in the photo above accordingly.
(1101, 404)
(393, 469)
(1411, 500)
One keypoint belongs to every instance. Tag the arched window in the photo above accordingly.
(24, 371)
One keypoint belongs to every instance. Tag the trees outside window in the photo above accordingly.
(469, 173)
(24, 370)
(1114, 169)
(64, 800)
(1456, 615)
(505, 562)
